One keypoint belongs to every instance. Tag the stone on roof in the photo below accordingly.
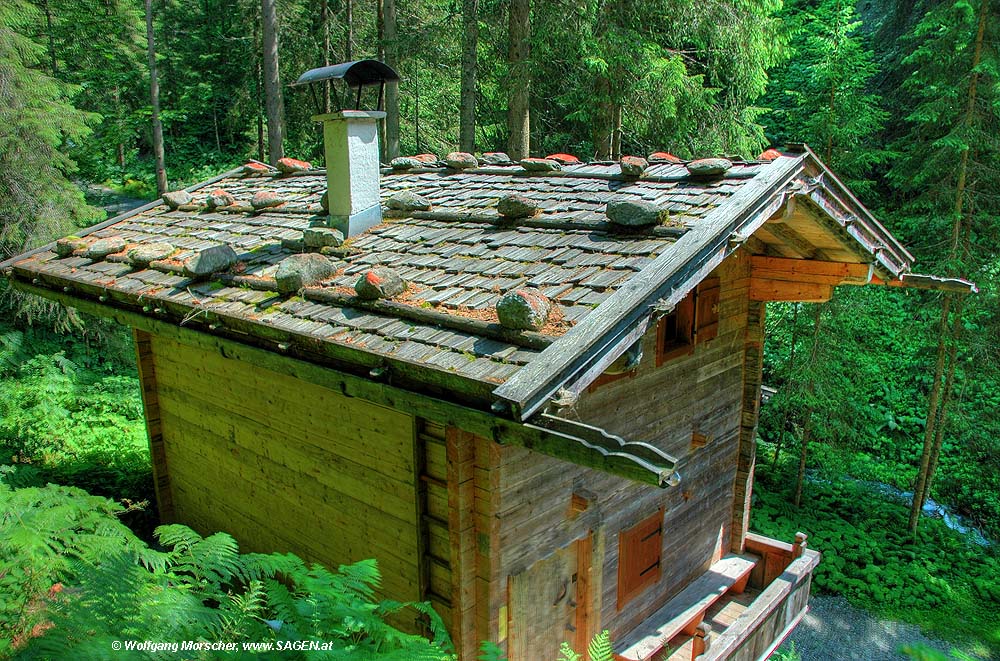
(461, 160)
(293, 165)
(177, 198)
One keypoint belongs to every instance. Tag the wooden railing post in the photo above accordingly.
(799, 547)
(700, 642)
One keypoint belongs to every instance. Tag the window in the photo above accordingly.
(693, 321)
(639, 557)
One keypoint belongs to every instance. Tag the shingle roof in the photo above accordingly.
(459, 257)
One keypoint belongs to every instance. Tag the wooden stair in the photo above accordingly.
(722, 614)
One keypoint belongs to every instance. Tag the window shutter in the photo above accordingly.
(706, 319)
(639, 557)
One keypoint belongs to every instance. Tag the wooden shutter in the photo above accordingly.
(639, 557)
(706, 316)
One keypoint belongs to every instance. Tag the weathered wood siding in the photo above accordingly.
(282, 464)
(666, 405)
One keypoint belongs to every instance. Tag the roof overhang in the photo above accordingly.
(765, 216)
(570, 441)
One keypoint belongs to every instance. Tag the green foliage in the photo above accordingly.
(940, 580)
(823, 95)
(786, 654)
(489, 651)
(71, 413)
(79, 580)
(44, 533)
(37, 119)
(924, 653)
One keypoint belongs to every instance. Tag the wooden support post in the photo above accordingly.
(154, 426)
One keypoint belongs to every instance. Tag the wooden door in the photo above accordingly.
(549, 603)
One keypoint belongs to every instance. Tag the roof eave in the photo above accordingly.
(583, 353)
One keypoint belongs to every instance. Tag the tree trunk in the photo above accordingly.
(519, 80)
(272, 80)
(810, 392)
(932, 411)
(324, 20)
(51, 37)
(391, 89)
(603, 118)
(947, 389)
(789, 384)
(470, 46)
(616, 133)
(349, 24)
(154, 98)
(942, 392)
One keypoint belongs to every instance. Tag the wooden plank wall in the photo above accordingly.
(282, 464)
(663, 405)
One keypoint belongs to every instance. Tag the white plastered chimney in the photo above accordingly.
(352, 169)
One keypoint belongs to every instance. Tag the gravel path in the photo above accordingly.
(833, 630)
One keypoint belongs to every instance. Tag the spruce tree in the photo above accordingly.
(37, 119)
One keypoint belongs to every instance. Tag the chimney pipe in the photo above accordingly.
(352, 169)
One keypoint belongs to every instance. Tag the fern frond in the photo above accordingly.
(600, 647)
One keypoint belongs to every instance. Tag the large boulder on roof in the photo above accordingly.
(379, 282)
(540, 165)
(220, 198)
(266, 199)
(210, 260)
(69, 245)
(496, 158)
(408, 201)
(177, 198)
(142, 254)
(298, 271)
(321, 237)
(523, 309)
(709, 167)
(404, 163)
(633, 166)
(461, 160)
(515, 205)
(101, 248)
(631, 212)
(293, 165)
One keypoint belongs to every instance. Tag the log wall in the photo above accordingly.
(283, 464)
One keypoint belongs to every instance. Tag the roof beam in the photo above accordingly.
(791, 239)
(762, 289)
(769, 270)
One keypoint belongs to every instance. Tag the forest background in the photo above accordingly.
(880, 393)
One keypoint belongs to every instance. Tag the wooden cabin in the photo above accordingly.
(536, 481)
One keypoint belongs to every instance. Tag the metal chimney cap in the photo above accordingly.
(356, 74)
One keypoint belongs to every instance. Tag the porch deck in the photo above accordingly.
(740, 624)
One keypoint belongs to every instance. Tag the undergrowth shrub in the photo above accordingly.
(939, 580)
(71, 413)
(76, 580)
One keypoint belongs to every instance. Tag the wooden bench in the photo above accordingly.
(684, 613)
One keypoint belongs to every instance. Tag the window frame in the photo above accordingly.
(693, 321)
